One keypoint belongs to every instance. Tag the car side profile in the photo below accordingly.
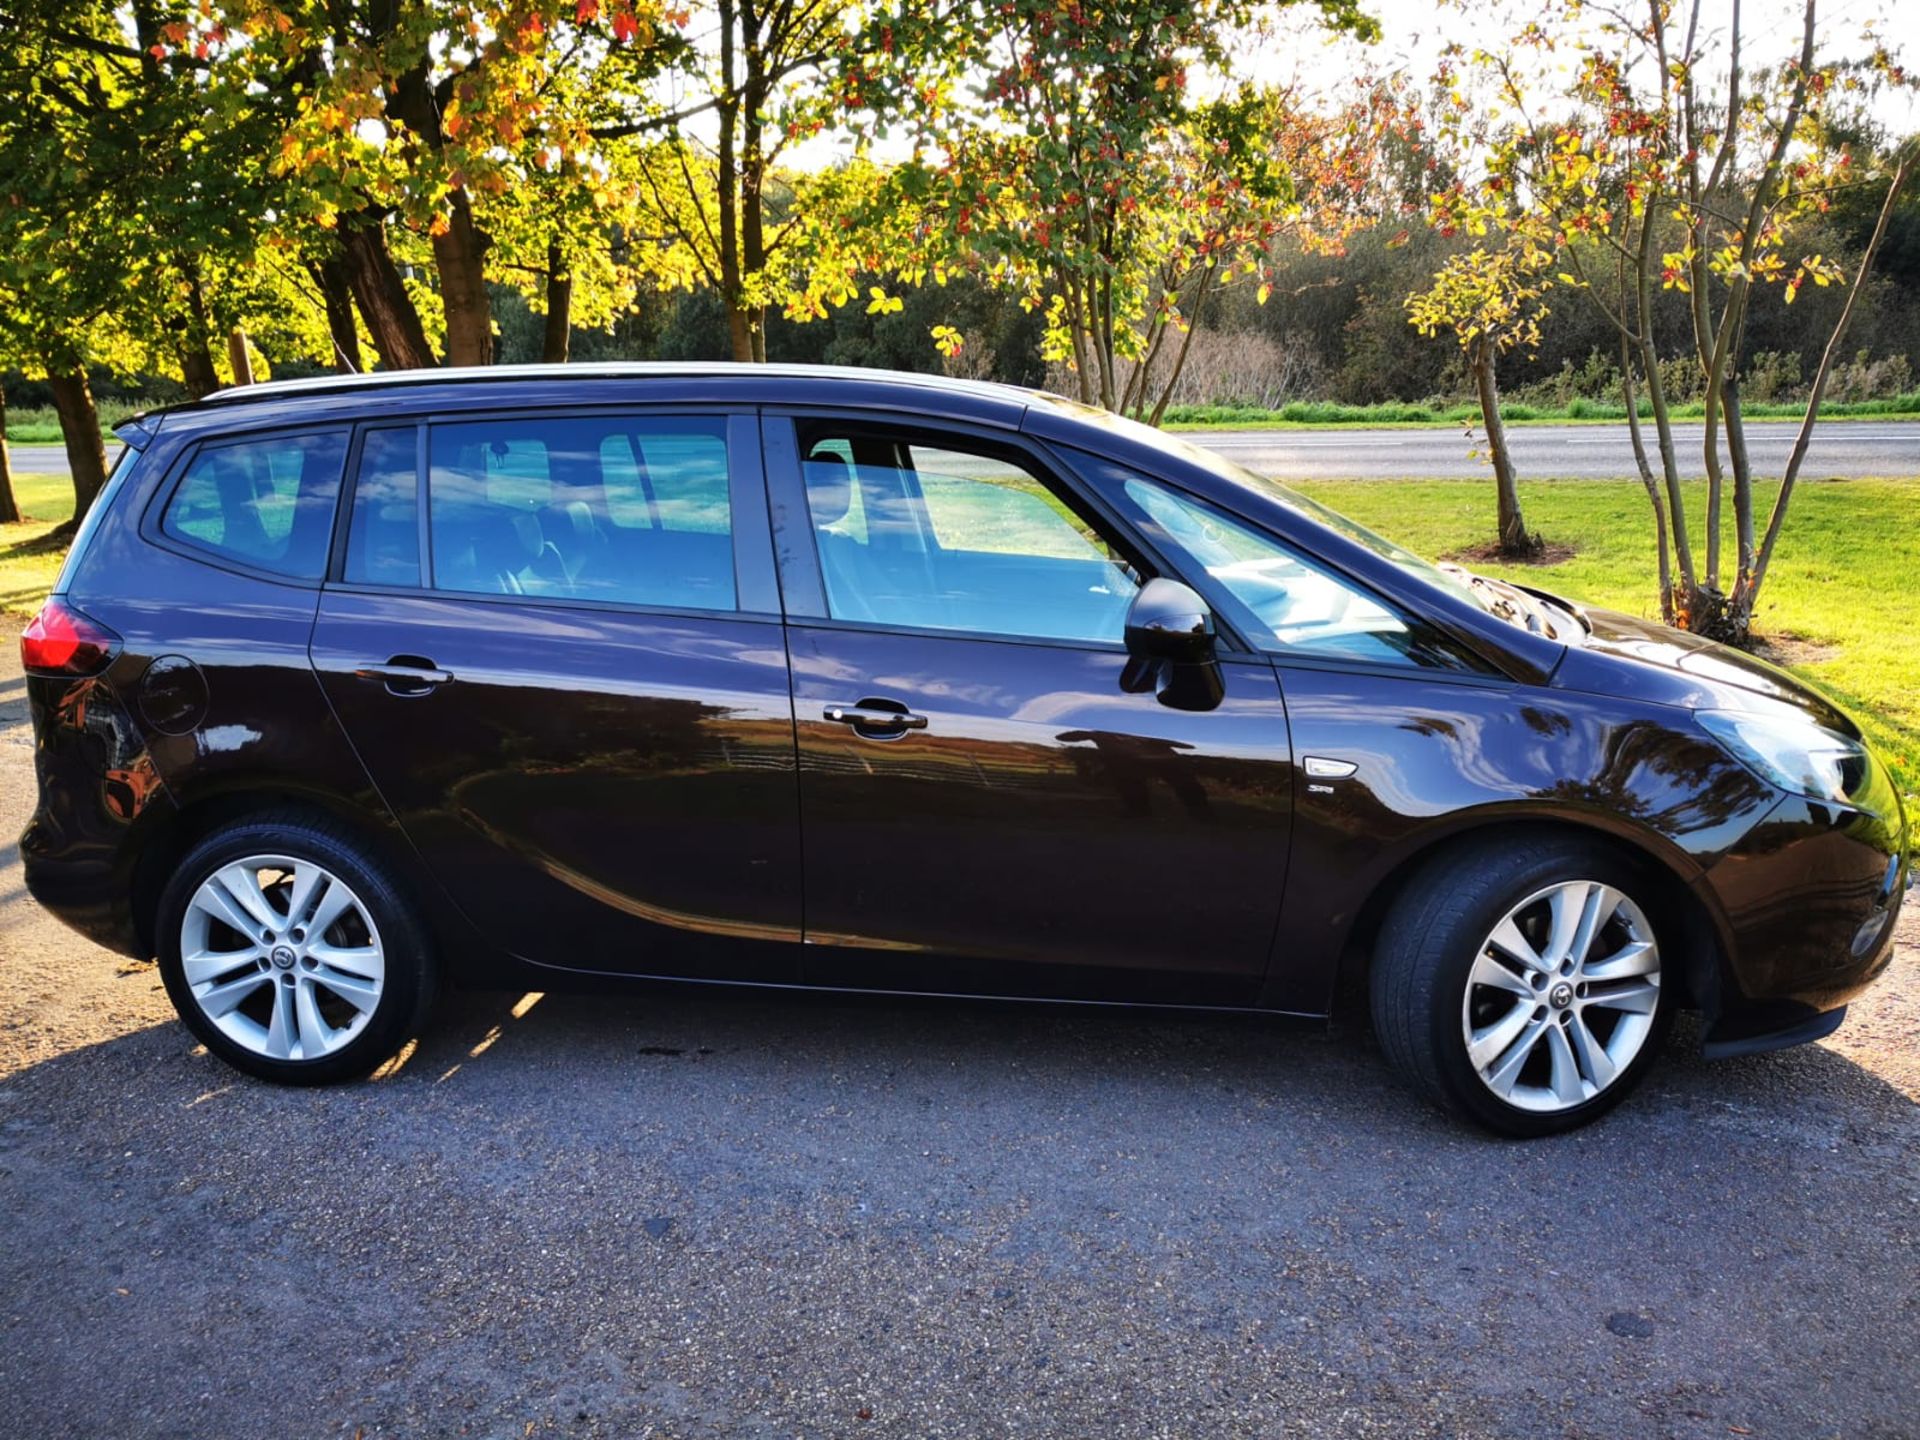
(791, 676)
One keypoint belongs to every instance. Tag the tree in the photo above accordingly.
(420, 124)
(1066, 152)
(719, 211)
(1680, 165)
(1492, 301)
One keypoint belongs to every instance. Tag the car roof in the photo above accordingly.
(766, 383)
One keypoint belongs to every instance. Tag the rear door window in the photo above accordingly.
(629, 509)
(266, 503)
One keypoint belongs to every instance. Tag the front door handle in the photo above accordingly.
(877, 719)
(406, 675)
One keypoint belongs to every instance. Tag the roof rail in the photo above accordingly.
(613, 370)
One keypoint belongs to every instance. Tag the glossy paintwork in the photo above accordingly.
(1046, 832)
(618, 791)
(599, 790)
(1440, 757)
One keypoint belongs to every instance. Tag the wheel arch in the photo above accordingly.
(1680, 905)
(175, 830)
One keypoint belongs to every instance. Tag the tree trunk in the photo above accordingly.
(1662, 543)
(753, 173)
(9, 507)
(727, 177)
(80, 427)
(1515, 542)
(331, 277)
(382, 297)
(196, 352)
(559, 330)
(459, 255)
(238, 359)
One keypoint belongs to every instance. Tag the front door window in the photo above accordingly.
(946, 537)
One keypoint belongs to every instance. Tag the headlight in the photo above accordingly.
(1792, 753)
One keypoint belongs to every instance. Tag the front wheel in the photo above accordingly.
(1521, 986)
(289, 951)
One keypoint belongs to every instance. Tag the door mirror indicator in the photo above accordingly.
(1170, 637)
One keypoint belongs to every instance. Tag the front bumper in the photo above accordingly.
(1810, 898)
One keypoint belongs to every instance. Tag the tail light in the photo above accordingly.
(62, 641)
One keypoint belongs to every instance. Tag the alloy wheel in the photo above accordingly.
(282, 956)
(1562, 996)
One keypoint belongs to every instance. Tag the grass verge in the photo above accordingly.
(1837, 605)
(39, 425)
(29, 555)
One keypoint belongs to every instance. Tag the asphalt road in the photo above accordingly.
(730, 1215)
(1579, 452)
(1569, 452)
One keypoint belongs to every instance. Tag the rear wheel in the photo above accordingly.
(287, 948)
(1521, 986)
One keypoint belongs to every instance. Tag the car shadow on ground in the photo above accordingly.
(531, 1048)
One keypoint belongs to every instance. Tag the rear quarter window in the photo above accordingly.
(265, 503)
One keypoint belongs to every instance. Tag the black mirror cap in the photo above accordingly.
(1169, 621)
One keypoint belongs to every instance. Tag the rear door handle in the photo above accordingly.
(883, 716)
(406, 675)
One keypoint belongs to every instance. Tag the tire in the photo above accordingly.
(275, 1001)
(1469, 1021)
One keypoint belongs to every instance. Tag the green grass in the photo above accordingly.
(1331, 415)
(1841, 580)
(29, 559)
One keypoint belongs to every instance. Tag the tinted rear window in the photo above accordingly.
(267, 503)
(631, 509)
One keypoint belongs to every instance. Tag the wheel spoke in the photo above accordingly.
(334, 903)
(282, 1030)
(307, 881)
(362, 961)
(1508, 940)
(360, 994)
(206, 965)
(1638, 957)
(213, 900)
(314, 1032)
(1565, 1075)
(1495, 976)
(240, 882)
(1489, 1044)
(1637, 997)
(1567, 905)
(1595, 1063)
(219, 1000)
(1504, 1075)
(1600, 904)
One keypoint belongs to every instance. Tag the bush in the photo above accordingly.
(1771, 375)
(1865, 379)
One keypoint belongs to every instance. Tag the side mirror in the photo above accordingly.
(1170, 639)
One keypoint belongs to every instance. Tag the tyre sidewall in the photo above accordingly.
(406, 987)
(1449, 1046)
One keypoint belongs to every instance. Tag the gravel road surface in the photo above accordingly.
(1579, 452)
(736, 1215)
